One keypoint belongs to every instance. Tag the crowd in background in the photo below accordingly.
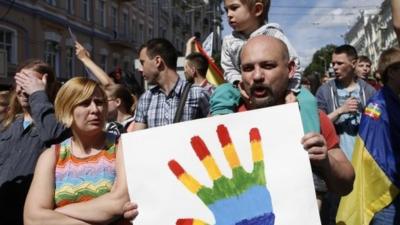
(52, 134)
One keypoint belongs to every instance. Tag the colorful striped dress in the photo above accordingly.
(82, 179)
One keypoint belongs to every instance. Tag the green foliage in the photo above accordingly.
(317, 64)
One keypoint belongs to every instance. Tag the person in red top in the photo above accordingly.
(363, 71)
(266, 70)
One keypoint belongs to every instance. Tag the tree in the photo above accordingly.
(321, 59)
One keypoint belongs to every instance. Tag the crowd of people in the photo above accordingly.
(61, 160)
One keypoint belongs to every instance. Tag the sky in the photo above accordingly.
(312, 24)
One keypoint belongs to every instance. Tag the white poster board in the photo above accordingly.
(163, 199)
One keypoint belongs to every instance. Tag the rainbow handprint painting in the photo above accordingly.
(240, 169)
(242, 199)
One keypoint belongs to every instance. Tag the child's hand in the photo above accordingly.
(190, 45)
(290, 97)
(243, 93)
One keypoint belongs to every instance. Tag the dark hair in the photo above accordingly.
(163, 48)
(349, 50)
(199, 61)
(364, 58)
(127, 99)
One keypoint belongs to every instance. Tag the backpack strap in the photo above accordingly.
(179, 110)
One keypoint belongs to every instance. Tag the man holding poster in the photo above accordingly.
(242, 168)
(266, 70)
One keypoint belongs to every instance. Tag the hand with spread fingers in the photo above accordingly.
(242, 199)
(30, 81)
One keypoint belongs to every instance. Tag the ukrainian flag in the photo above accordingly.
(214, 74)
(376, 161)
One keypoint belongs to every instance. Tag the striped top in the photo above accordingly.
(82, 179)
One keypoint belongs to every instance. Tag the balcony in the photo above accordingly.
(122, 40)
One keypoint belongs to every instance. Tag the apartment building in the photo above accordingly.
(112, 30)
(372, 33)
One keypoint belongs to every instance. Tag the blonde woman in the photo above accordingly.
(81, 180)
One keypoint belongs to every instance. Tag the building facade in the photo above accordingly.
(372, 33)
(112, 30)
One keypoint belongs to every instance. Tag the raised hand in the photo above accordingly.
(242, 199)
(31, 81)
(81, 52)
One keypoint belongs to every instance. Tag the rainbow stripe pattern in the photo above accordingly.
(82, 179)
(242, 199)
(372, 110)
(214, 74)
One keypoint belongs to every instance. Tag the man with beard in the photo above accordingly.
(266, 70)
(158, 106)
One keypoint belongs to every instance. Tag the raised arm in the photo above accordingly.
(84, 56)
(396, 17)
(39, 203)
(107, 207)
(50, 130)
(190, 45)
(229, 63)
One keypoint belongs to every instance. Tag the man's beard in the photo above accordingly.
(268, 98)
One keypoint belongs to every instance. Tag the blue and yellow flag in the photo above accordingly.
(376, 161)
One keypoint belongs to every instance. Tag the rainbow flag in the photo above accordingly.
(214, 74)
(376, 160)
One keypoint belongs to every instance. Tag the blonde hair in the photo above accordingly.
(266, 5)
(5, 97)
(71, 94)
(388, 59)
(4, 101)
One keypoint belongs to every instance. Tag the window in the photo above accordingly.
(150, 33)
(101, 9)
(103, 62)
(52, 55)
(133, 33)
(141, 33)
(125, 24)
(8, 43)
(151, 9)
(51, 2)
(70, 6)
(125, 66)
(115, 62)
(114, 19)
(86, 10)
(70, 70)
(141, 4)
